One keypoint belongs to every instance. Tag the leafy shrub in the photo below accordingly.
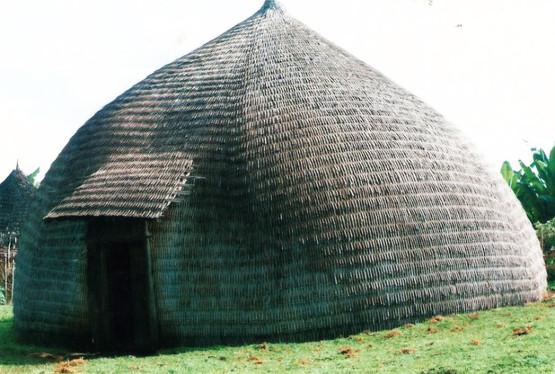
(2, 296)
(546, 236)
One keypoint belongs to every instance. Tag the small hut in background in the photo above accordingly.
(267, 186)
(16, 192)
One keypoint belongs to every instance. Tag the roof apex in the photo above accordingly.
(272, 4)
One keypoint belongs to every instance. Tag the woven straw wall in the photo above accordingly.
(221, 280)
(50, 285)
(292, 192)
(50, 297)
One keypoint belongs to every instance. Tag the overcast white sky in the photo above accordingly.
(487, 65)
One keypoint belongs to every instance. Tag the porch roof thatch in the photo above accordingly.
(129, 185)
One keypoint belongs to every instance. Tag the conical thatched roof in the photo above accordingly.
(290, 190)
(16, 192)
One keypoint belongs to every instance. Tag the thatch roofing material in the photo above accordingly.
(269, 98)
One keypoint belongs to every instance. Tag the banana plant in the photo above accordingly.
(534, 185)
(32, 178)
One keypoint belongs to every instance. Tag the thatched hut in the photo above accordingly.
(16, 193)
(266, 186)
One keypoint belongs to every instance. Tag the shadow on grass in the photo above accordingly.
(14, 353)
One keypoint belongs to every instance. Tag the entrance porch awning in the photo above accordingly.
(128, 185)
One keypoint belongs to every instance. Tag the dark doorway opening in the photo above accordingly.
(121, 301)
(120, 293)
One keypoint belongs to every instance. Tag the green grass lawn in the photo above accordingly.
(505, 340)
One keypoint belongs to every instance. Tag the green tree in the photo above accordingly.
(32, 178)
(534, 185)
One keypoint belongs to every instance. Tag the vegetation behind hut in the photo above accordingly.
(534, 186)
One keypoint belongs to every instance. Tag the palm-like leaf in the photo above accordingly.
(534, 185)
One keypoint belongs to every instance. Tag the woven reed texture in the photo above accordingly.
(16, 193)
(308, 196)
(50, 293)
